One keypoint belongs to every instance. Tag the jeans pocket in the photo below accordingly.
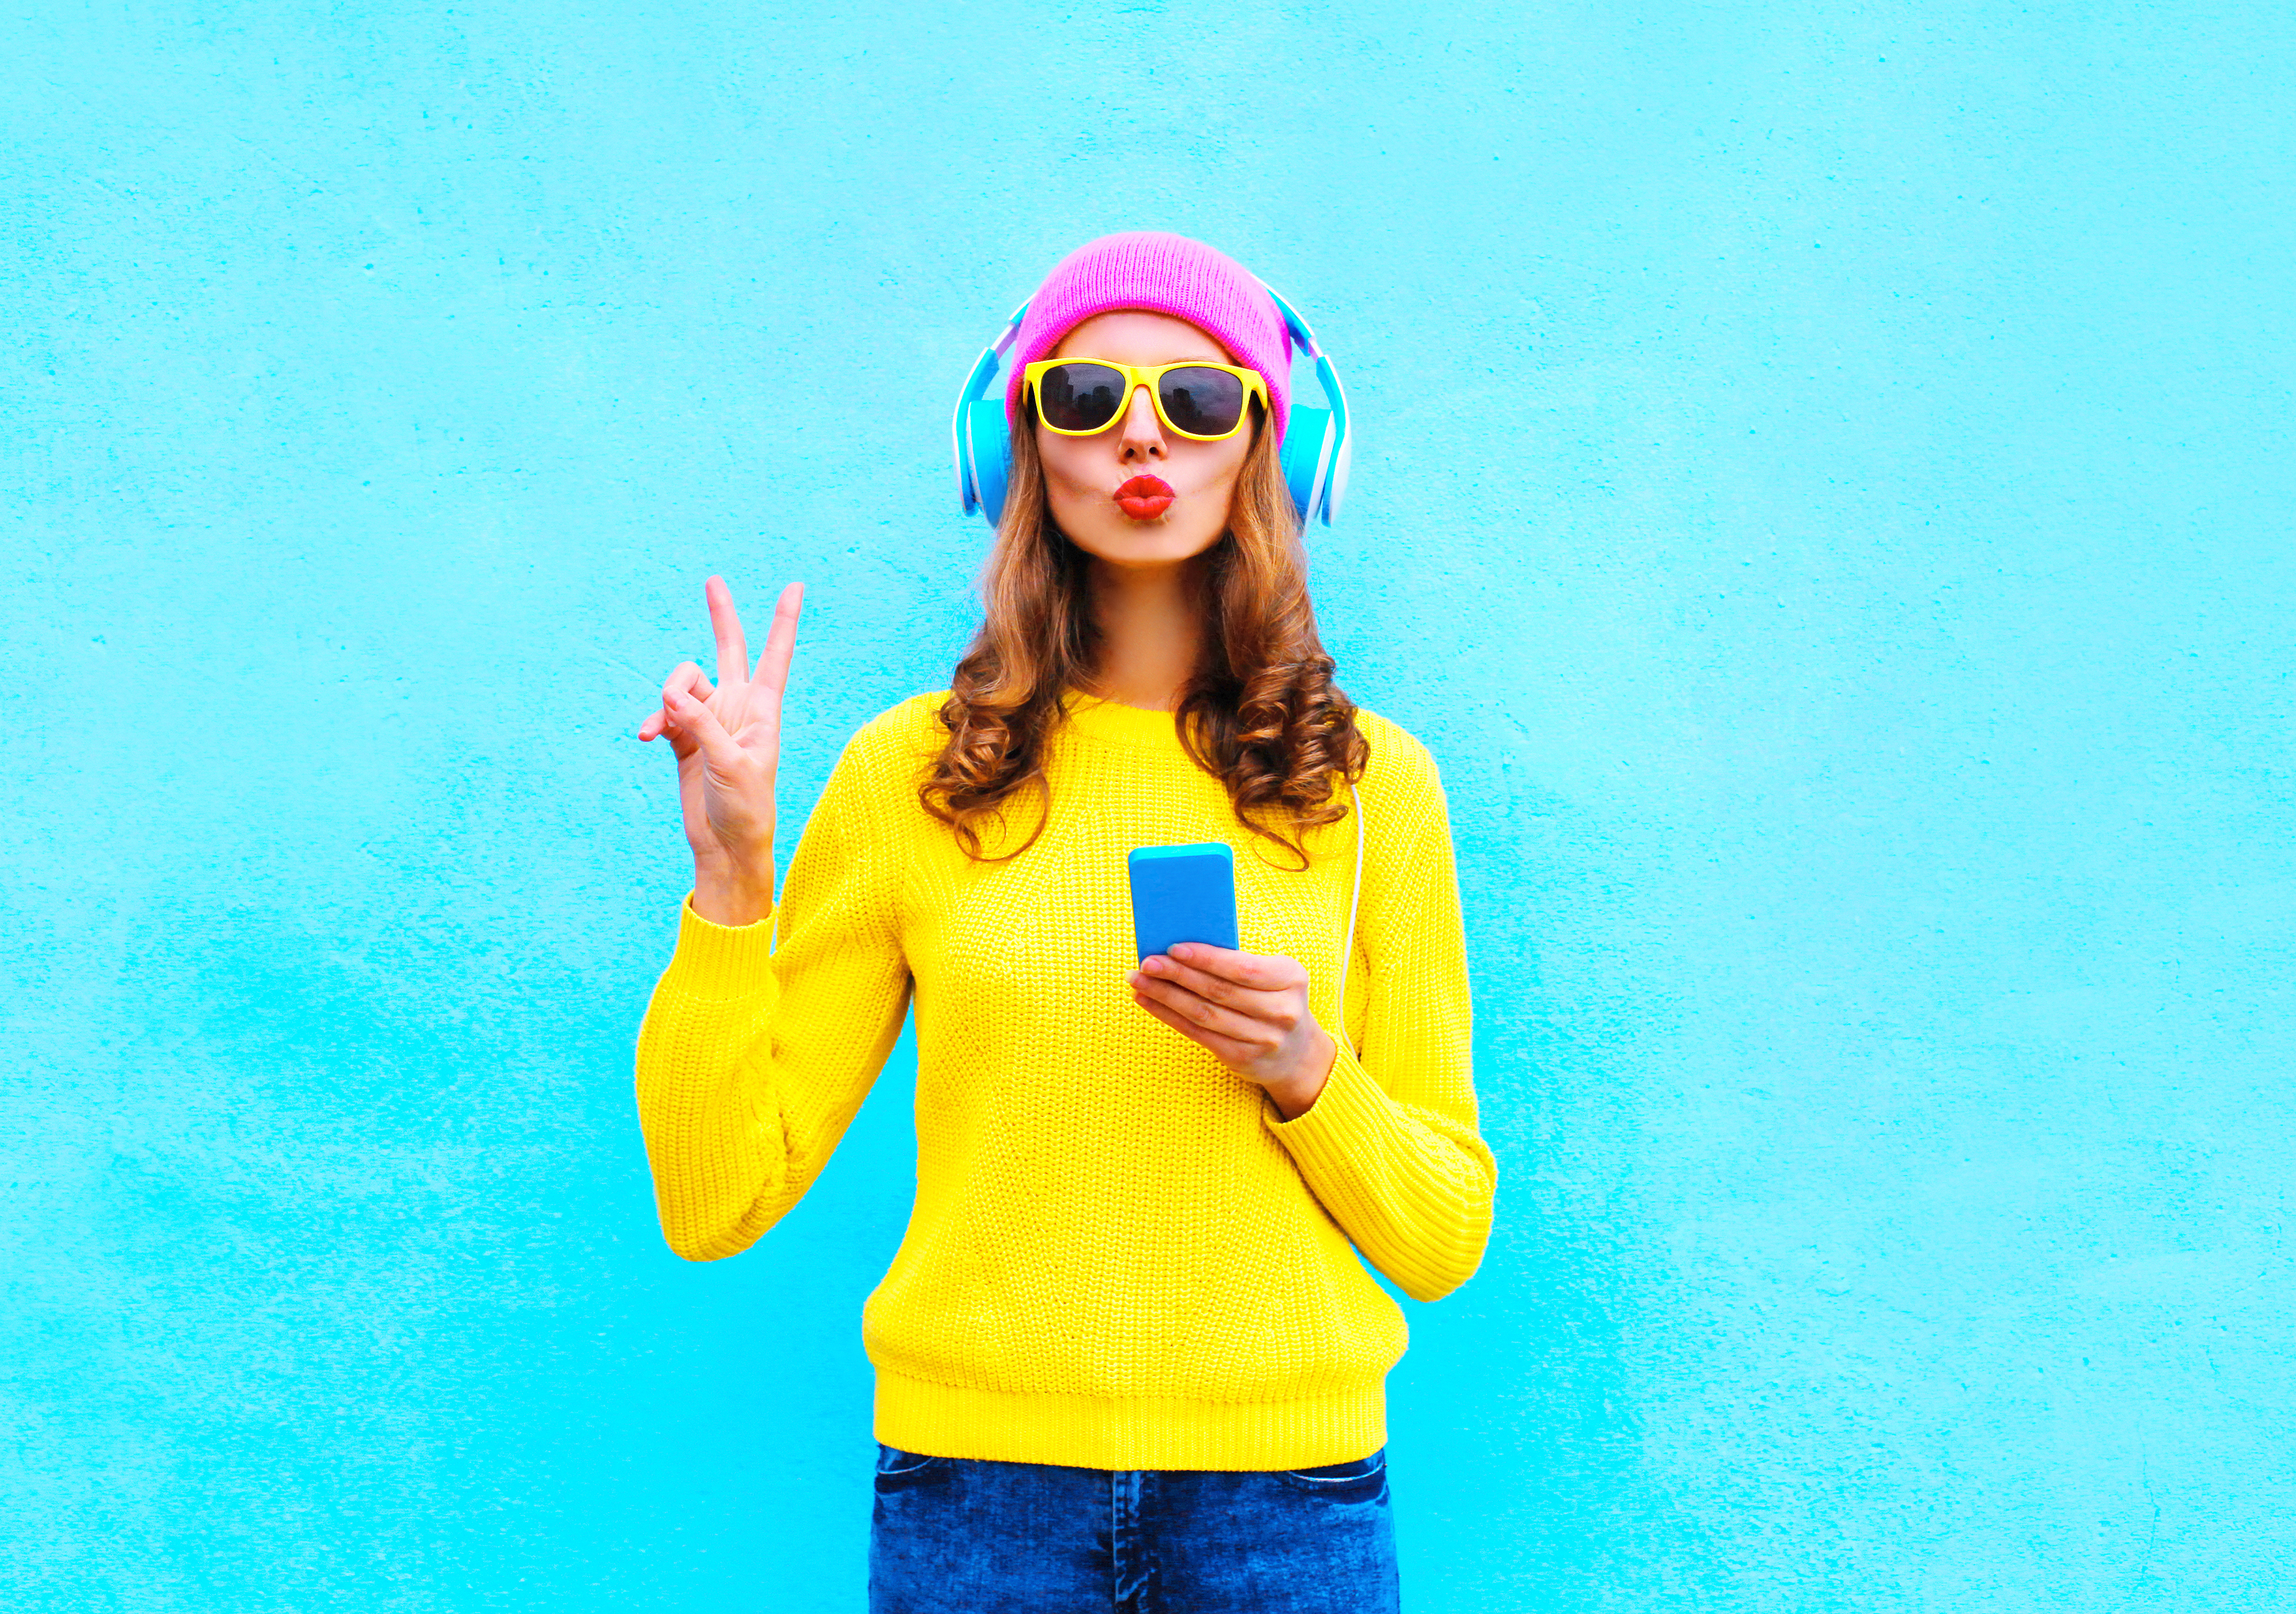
(894, 1464)
(1357, 1479)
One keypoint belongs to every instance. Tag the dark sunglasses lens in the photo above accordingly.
(1206, 402)
(1080, 397)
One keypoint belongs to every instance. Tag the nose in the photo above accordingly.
(1141, 440)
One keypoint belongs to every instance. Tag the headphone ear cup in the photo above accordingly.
(1307, 455)
(988, 454)
(966, 500)
(1335, 485)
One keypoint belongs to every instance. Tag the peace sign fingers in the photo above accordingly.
(781, 642)
(728, 740)
(726, 622)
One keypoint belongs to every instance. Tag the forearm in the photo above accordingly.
(711, 1126)
(757, 1050)
(1414, 1189)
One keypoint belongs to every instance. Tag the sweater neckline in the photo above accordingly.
(1100, 718)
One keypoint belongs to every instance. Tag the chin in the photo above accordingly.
(1121, 542)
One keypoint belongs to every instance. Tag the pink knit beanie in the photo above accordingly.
(1165, 274)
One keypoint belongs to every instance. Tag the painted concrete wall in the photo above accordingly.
(1824, 496)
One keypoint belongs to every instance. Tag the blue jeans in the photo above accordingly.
(970, 1535)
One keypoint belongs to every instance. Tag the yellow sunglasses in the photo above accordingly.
(1204, 402)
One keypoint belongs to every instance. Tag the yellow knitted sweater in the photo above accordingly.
(1120, 1255)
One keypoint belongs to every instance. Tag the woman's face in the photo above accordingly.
(1083, 476)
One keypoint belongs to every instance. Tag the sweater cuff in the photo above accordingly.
(720, 963)
(1332, 1139)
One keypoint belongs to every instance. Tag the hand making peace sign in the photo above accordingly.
(728, 745)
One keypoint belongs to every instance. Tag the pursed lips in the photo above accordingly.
(1143, 499)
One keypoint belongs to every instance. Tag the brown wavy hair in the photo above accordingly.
(1260, 712)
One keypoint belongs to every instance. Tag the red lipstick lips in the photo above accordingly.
(1143, 499)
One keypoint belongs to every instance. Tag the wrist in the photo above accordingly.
(1297, 1095)
(729, 890)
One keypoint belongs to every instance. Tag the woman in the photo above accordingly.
(1126, 1356)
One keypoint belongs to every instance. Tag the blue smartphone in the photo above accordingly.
(1182, 894)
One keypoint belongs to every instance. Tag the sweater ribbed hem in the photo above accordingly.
(1148, 1432)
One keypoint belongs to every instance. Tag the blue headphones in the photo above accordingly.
(1316, 450)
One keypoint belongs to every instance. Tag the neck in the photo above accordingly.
(1150, 632)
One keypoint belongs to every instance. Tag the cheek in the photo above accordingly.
(1209, 468)
(1071, 464)
(1067, 484)
(1232, 454)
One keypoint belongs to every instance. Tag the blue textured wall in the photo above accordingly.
(1825, 496)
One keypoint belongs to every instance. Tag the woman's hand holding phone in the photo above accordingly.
(728, 740)
(1249, 1010)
